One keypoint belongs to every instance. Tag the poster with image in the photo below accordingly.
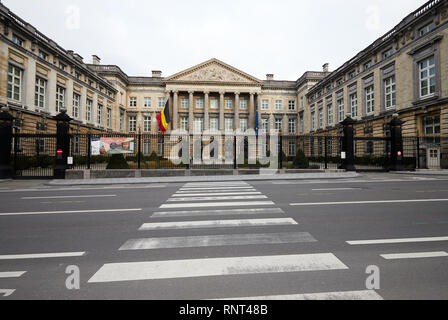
(108, 146)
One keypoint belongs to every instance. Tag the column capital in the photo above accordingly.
(206, 92)
(252, 94)
(175, 91)
(222, 93)
(191, 91)
(237, 93)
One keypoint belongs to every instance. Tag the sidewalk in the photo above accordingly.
(425, 172)
(266, 177)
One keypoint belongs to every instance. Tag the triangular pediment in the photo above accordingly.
(213, 71)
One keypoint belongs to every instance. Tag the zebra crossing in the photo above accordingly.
(218, 201)
(4, 293)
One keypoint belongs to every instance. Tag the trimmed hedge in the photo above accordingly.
(300, 161)
(28, 162)
(117, 161)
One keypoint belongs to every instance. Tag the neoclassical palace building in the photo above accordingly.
(404, 71)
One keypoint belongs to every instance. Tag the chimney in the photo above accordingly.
(156, 74)
(96, 60)
(326, 67)
(269, 77)
(78, 57)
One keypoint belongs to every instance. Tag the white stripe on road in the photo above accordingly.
(41, 255)
(417, 255)
(217, 198)
(214, 191)
(81, 189)
(342, 295)
(195, 213)
(134, 271)
(67, 212)
(217, 241)
(218, 224)
(217, 204)
(391, 241)
(6, 292)
(215, 194)
(216, 188)
(222, 183)
(69, 197)
(336, 189)
(12, 274)
(367, 202)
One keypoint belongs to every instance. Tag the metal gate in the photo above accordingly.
(33, 156)
(372, 153)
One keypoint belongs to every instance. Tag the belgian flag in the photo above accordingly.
(163, 118)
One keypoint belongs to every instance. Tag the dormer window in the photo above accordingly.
(17, 40)
(43, 55)
(388, 53)
(426, 29)
(367, 65)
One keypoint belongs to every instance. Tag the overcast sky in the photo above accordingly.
(284, 37)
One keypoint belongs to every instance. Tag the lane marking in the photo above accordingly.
(417, 255)
(134, 271)
(217, 204)
(81, 189)
(215, 188)
(71, 197)
(216, 241)
(7, 292)
(403, 240)
(217, 198)
(215, 194)
(341, 295)
(214, 191)
(218, 224)
(12, 274)
(68, 212)
(367, 202)
(41, 255)
(247, 211)
(336, 189)
(221, 184)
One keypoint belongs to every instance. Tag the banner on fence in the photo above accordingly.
(105, 146)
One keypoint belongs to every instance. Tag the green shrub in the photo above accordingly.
(117, 161)
(300, 161)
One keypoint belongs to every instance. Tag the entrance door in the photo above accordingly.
(433, 158)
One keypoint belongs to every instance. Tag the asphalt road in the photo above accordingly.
(190, 241)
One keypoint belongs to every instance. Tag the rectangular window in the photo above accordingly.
(278, 125)
(39, 93)
(229, 104)
(76, 104)
(199, 125)
(243, 124)
(200, 103)
(390, 92)
(89, 104)
(291, 148)
(133, 102)
(60, 98)
(432, 125)
(278, 105)
(184, 103)
(132, 123)
(214, 124)
(109, 118)
(370, 100)
(243, 104)
(43, 55)
(146, 146)
(367, 65)
(313, 123)
(301, 123)
(354, 105)
(100, 114)
(330, 114)
(341, 114)
(148, 102)
(229, 124)
(17, 40)
(147, 123)
(121, 120)
(162, 102)
(320, 118)
(14, 83)
(427, 77)
(292, 126)
(265, 125)
(426, 29)
(213, 103)
(184, 123)
(291, 105)
(265, 104)
(388, 53)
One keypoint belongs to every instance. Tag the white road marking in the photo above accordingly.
(217, 204)
(12, 274)
(367, 202)
(68, 212)
(214, 191)
(247, 211)
(203, 184)
(134, 271)
(80, 188)
(215, 194)
(336, 189)
(217, 241)
(41, 255)
(417, 255)
(215, 188)
(217, 198)
(391, 241)
(218, 224)
(342, 295)
(6, 292)
(70, 197)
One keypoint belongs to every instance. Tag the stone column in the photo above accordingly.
(191, 112)
(206, 114)
(221, 111)
(285, 124)
(175, 110)
(251, 124)
(237, 111)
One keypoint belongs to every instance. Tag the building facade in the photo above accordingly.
(403, 72)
